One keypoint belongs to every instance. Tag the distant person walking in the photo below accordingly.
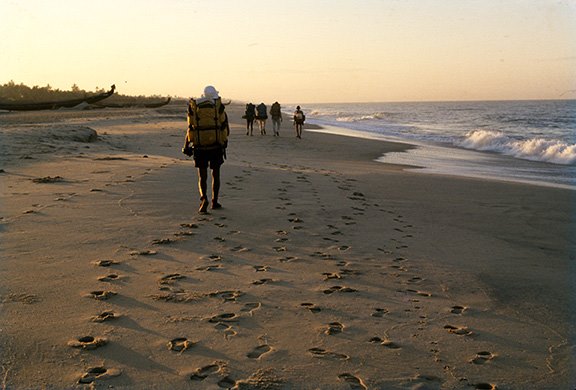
(249, 115)
(276, 114)
(206, 140)
(299, 119)
(261, 116)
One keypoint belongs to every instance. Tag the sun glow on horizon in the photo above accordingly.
(297, 51)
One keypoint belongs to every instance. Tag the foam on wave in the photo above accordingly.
(535, 149)
(358, 118)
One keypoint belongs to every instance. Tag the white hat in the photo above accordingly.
(210, 92)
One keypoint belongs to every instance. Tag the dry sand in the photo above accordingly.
(324, 269)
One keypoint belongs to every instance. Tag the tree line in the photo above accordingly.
(21, 93)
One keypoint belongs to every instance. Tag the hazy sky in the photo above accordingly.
(296, 50)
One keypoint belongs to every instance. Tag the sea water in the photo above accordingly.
(524, 141)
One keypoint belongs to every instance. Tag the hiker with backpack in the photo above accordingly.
(261, 116)
(249, 115)
(206, 140)
(276, 114)
(299, 119)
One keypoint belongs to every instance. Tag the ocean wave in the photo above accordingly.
(362, 117)
(535, 149)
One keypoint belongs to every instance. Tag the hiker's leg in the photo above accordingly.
(202, 185)
(215, 187)
(202, 180)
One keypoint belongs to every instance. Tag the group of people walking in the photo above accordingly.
(259, 114)
(207, 137)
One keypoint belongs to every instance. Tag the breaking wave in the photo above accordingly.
(535, 149)
(364, 117)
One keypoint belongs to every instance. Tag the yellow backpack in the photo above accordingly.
(207, 124)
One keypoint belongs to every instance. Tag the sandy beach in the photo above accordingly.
(323, 270)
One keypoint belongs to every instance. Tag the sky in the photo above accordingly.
(296, 51)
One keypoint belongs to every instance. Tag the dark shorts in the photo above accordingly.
(212, 158)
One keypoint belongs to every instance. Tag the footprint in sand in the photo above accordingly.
(343, 248)
(169, 287)
(88, 342)
(209, 268)
(421, 293)
(250, 307)
(98, 373)
(224, 317)
(179, 344)
(322, 353)
(312, 307)
(386, 343)
(323, 255)
(261, 268)
(482, 357)
(48, 179)
(459, 330)
(109, 278)
(203, 372)
(458, 309)
(227, 295)
(348, 271)
(228, 330)
(212, 257)
(163, 241)
(143, 253)
(331, 275)
(334, 328)
(415, 279)
(239, 248)
(186, 233)
(189, 225)
(379, 312)
(105, 316)
(220, 239)
(485, 386)
(288, 259)
(170, 278)
(101, 295)
(280, 248)
(260, 350)
(334, 289)
(354, 382)
(226, 383)
(262, 281)
(104, 263)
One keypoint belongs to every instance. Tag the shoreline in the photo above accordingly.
(420, 152)
(324, 269)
